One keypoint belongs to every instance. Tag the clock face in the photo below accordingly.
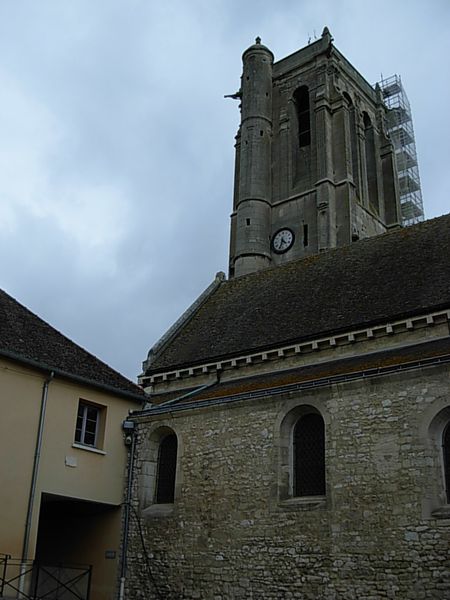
(282, 240)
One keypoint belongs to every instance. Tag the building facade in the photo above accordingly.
(297, 439)
(63, 461)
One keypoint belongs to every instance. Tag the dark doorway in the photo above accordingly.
(78, 532)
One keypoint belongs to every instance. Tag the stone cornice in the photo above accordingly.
(323, 343)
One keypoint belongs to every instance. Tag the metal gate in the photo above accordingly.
(30, 580)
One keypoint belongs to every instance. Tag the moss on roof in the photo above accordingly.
(375, 280)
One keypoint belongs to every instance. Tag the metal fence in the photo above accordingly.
(31, 580)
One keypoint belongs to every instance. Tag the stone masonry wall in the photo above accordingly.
(229, 535)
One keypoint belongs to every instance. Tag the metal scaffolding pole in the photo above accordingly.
(401, 131)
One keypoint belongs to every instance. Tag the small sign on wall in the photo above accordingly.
(110, 554)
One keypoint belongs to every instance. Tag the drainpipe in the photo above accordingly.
(37, 456)
(193, 392)
(188, 394)
(130, 440)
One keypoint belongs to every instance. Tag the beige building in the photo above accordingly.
(63, 458)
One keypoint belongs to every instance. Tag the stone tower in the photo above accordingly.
(314, 166)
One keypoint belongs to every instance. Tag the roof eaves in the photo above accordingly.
(319, 335)
(269, 392)
(366, 329)
(137, 397)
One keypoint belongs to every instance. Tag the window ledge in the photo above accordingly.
(304, 503)
(88, 448)
(158, 510)
(442, 513)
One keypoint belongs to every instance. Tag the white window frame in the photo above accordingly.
(86, 406)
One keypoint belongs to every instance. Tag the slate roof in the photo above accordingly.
(374, 363)
(379, 279)
(27, 338)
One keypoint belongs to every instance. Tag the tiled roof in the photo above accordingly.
(27, 338)
(379, 279)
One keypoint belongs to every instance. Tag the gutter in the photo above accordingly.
(310, 384)
(178, 398)
(78, 378)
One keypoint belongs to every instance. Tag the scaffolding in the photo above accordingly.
(400, 129)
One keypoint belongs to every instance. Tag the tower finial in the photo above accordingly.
(258, 40)
(326, 35)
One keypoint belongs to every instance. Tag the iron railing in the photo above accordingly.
(3, 566)
(31, 580)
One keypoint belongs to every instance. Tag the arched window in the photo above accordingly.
(435, 433)
(301, 99)
(166, 470)
(309, 456)
(446, 455)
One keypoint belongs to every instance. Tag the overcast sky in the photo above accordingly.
(116, 144)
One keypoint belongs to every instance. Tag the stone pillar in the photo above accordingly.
(364, 190)
(326, 217)
(388, 169)
(392, 209)
(343, 142)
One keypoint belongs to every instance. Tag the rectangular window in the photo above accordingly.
(88, 425)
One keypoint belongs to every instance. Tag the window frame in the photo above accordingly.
(432, 429)
(302, 102)
(446, 460)
(284, 440)
(155, 435)
(167, 456)
(99, 421)
(300, 482)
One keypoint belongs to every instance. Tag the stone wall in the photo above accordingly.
(232, 534)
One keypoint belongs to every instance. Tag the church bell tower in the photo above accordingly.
(314, 166)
